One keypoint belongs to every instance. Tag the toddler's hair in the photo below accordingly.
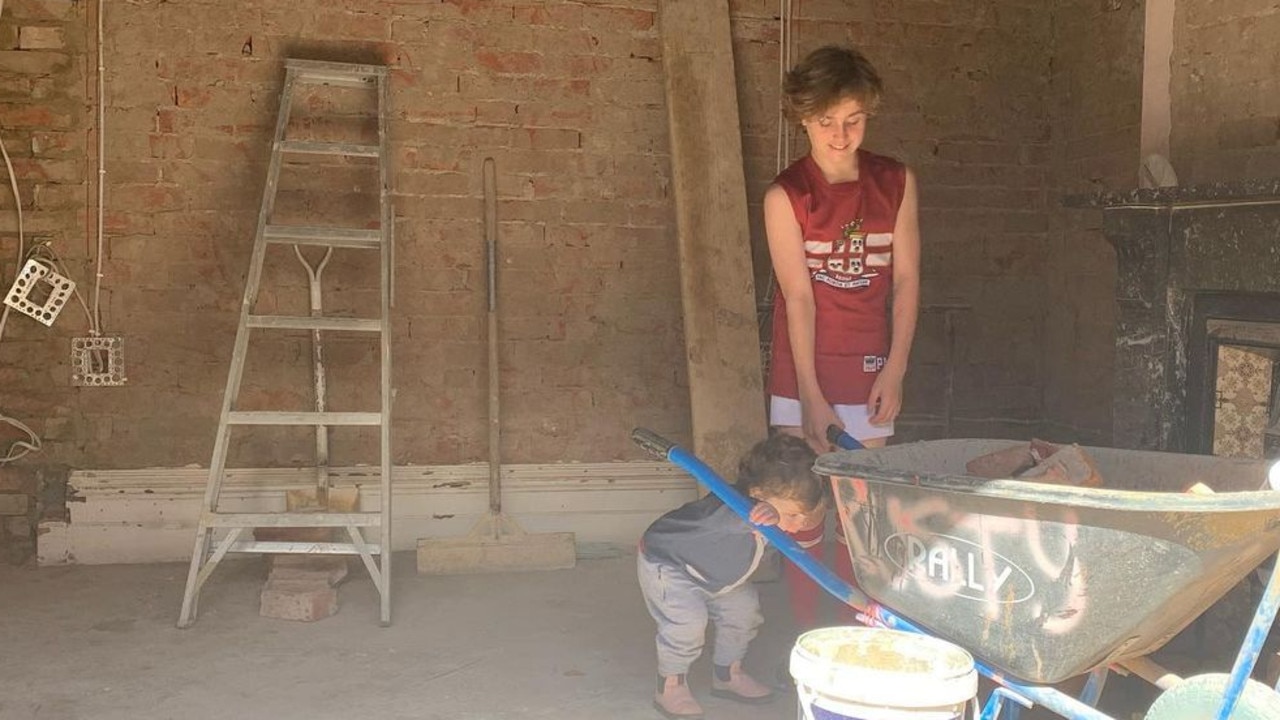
(827, 76)
(782, 467)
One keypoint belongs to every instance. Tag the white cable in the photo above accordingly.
(784, 63)
(95, 321)
(783, 159)
(18, 448)
(17, 204)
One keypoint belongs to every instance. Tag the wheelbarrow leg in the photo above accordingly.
(1253, 639)
(995, 703)
(1092, 691)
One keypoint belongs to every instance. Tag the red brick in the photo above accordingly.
(53, 143)
(46, 170)
(57, 197)
(518, 63)
(166, 120)
(33, 116)
(33, 62)
(481, 9)
(617, 18)
(40, 37)
(17, 479)
(170, 146)
(302, 600)
(558, 14)
(44, 9)
(552, 138)
(356, 25)
(150, 198)
(14, 504)
(144, 171)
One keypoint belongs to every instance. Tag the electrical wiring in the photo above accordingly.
(94, 315)
(785, 58)
(17, 204)
(95, 323)
(786, 45)
(20, 448)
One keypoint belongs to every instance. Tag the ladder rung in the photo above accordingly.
(290, 322)
(292, 520)
(275, 417)
(301, 548)
(322, 71)
(337, 79)
(330, 236)
(311, 147)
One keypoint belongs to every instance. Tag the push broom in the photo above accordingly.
(496, 543)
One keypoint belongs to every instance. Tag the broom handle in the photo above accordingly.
(491, 252)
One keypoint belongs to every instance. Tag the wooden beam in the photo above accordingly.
(722, 344)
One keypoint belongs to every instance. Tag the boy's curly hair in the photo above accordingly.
(827, 76)
(782, 467)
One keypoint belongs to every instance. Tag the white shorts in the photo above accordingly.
(785, 412)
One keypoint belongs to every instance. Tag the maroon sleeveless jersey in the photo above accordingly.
(848, 244)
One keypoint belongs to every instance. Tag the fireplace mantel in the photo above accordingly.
(1232, 194)
(1174, 245)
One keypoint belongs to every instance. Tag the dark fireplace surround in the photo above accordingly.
(1194, 263)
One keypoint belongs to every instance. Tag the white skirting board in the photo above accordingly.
(142, 516)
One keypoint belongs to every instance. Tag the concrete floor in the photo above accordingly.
(99, 642)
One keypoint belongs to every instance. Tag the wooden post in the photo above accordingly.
(722, 342)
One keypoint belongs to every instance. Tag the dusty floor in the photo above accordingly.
(100, 642)
(80, 643)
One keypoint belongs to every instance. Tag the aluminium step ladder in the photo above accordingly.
(219, 533)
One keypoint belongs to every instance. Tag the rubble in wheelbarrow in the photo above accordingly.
(1011, 461)
(1069, 466)
(1039, 461)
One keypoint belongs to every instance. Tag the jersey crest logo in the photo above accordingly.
(844, 262)
(848, 250)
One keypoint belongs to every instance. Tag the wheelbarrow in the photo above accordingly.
(1041, 583)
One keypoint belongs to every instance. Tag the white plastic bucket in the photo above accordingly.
(859, 673)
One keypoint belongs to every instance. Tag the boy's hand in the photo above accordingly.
(764, 514)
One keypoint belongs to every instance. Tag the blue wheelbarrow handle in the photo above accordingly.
(842, 439)
(821, 574)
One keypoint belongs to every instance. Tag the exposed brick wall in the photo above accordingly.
(1225, 89)
(1095, 112)
(567, 96)
(44, 124)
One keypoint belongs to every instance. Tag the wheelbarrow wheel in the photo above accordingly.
(1200, 697)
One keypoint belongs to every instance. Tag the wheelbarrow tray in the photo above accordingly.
(1046, 582)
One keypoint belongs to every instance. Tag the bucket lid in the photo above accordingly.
(884, 667)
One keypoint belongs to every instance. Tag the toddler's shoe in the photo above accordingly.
(674, 699)
(730, 682)
(782, 680)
